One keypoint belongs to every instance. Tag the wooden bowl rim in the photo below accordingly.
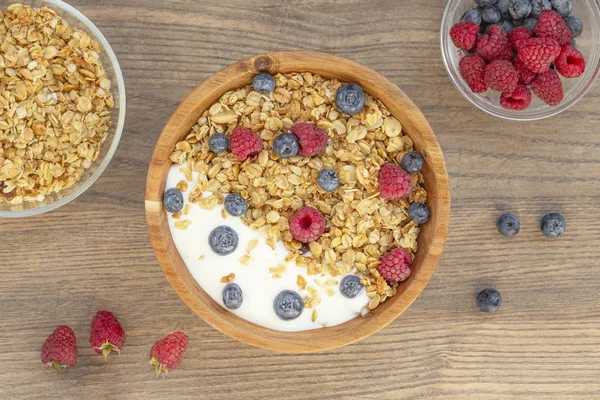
(230, 324)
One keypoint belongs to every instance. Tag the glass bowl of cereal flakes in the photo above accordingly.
(63, 106)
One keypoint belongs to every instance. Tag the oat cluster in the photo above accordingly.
(55, 103)
(361, 225)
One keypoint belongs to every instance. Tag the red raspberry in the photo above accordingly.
(464, 35)
(472, 69)
(494, 45)
(107, 333)
(394, 182)
(518, 36)
(570, 62)
(167, 353)
(548, 87)
(525, 75)
(551, 25)
(60, 349)
(245, 143)
(500, 75)
(395, 265)
(312, 139)
(538, 54)
(518, 99)
(307, 225)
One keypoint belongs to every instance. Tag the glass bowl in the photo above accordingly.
(588, 43)
(108, 148)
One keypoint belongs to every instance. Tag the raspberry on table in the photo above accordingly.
(472, 69)
(548, 87)
(464, 35)
(518, 36)
(394, 182)
(245, 143)
(312, 138)
(526, 76)
(107, 334)
(538, 54)
(395, 265)
(307, 225)
(500, 75)
(518, 99)
(494, 45)
(570, 62)
(551, 25)
(167, 353)
(60, 348)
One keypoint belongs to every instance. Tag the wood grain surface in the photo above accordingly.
(94, 253)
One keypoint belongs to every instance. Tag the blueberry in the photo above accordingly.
(562, 7)
(235, 205)
(489, 300)
(506, 25)
(232, 296)
(418, 212)
(328, 180)
(286, 145)
(575, 25)
(412, 162)
(491, 15)
(304, 249)
(503, 7)
(350, 286)
(472, 15)
(530, 23)
(537, 6)
(218, 143)
(263, 83)
(288, 305)
(553, 225)
(485, 3)
(173, 200)
(519, 9)
(508, 224)
(350, 98)
(223, 240)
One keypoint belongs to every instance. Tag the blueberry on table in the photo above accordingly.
(519, 9)
(218, 143)
(288, 305)
(173, 200)
(418, 212)
(232, 296)
(350, 98)
(223, 240)
(508, 224)
(472, 15)
(491, 15)
(286, 145)
(489, 300)
(575, 25)
(412, 162)
(235, 205)
(328, 180)
(263, 83)
(350, 286)
(562, 7)
(553, 225)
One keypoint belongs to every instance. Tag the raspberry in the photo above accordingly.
(395, 265)
(464, 35)
(551, 25)
(518, 36)
(548, 87)
(312, 138)
(525, 75)
(167, 353)
(394, 182)
(538, 54)
(107, 333)
(245, 143)
(472, 69)
(494, 45)
(518, 99)
(500, 75)
(60, 349)
(307, 225)
(570, 62)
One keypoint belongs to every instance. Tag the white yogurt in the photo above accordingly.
(258, 286)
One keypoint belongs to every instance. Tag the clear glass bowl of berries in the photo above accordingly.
(522, 60)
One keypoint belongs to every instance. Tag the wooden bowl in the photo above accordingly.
(431, 239)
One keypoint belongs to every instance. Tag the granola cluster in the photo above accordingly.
(55, 103)
(361, 225)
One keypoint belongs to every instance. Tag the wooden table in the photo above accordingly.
(60, 268)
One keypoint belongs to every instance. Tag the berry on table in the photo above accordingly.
(412, 162)
(472, 15)
(60, 349)
(494, 45)
(500, 75)
(518, 99)
(553, 225)
(245, 143)
(218, 143)
(505, 25)
(263, 83)
(307, 225)
(562, 7)
(570, 62)
(491, 15)
(489, 300)
(472, 69)
(235, 204)
(530, 23)
(537, 6)
(508, 224)
(173, 200)
(312, 139)
(519, 9)
(418, 212)
(232, 296)
(519, 36)
(395, 265)
(107, 334)
(464, 35)
(551, 25)
(538, 54)
(288, 305)
(350, 98)
(526, 76)
(223, 240)
(548, 87)
(167, 353)
(575, 25)
(350, 286)
(394, 182)
(328, 180)
(286, 145)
